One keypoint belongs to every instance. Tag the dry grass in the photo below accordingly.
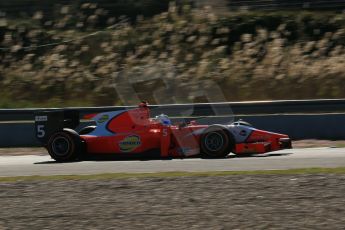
(247, 56)
(22, 151)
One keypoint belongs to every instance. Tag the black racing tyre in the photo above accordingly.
(216, 142)
(65, 146)
(87, 130)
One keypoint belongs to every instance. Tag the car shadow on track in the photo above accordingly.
(260, 155)
(105, 158)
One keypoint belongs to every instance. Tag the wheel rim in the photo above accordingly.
(61, 146)
(214, 141)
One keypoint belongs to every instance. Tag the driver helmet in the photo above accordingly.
(163, 119)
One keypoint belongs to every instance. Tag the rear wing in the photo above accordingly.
(50, 122)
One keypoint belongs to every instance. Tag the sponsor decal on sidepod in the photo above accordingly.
(103, 119)
(130, 143)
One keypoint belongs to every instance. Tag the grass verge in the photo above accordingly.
(109, 176)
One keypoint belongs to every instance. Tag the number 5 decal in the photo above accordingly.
(40, 131)
(165, 132)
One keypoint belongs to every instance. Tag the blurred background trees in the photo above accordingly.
(75, 53)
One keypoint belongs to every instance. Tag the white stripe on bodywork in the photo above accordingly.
(197, 132)
(101, 129)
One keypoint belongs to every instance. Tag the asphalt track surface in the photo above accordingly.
(284, 159)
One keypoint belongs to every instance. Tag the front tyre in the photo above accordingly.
(215, 142)
(65, 146)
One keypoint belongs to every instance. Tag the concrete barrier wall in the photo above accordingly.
(327, 127)
(308, 126)
(316, 126)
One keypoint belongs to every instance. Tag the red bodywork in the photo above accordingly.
(133, 131)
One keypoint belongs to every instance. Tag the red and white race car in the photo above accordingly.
(133, 132)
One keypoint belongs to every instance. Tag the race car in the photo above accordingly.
(132, 132)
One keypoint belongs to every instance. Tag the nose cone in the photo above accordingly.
(285, 143)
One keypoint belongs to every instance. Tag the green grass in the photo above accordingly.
(339, 145)
(111, 176)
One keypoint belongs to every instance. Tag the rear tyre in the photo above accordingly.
(216, 142)
(65, 146)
